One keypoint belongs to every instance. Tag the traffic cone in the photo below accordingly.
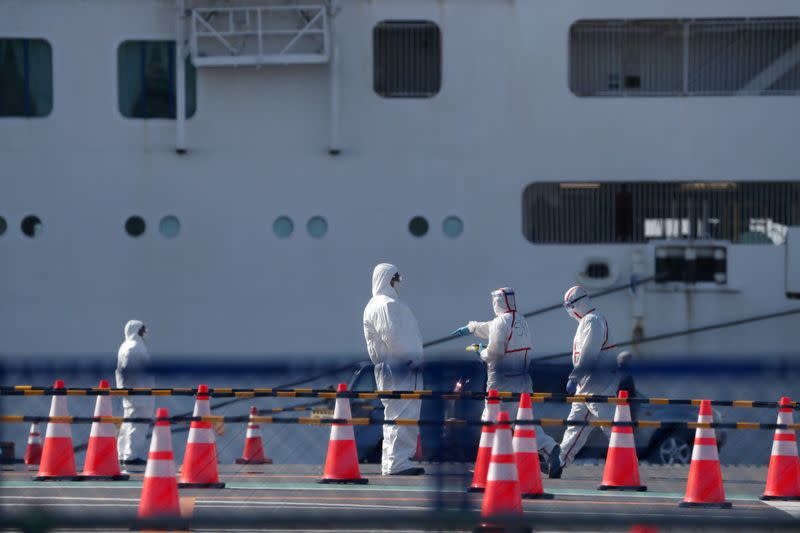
(783, 477)
(502, 496)
(253, 447)
(418, 452)
(485, 444)
(101, 454)
(58, 457)
(199, 470)
(526, 453)
(341, 463)
(622, 466)
(159, 489)
(33, 451)
(704, 487)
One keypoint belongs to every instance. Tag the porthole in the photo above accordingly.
(452, 226)
(283, 227)
(32, 226)
(317, 227)
(598, 270)
(418, 226)
(135, 226)
(169, 226)
(3, 225)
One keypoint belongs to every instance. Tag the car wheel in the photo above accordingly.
(674, 450)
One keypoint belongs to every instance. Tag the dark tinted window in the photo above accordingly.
(26, 78)
(407, 59)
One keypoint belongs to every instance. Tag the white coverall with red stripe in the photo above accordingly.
(508, 353)
(594, 370)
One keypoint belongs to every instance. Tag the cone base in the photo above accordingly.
(57, 478)
(476, 489)
(767, 497)
(359, 481)
(707, 505)
(117, 477)
(637, 488)
(538, 496)
(242, 461)
(201, 485)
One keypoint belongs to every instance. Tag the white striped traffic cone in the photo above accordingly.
(101, 454)
(160, 489)
(253, 453)
(526, 453)
(622, 466)
(58, 456)
(490, 414)
(33, 451)
(502, 496)
(783, 477)
(200, 458)
(704, 486)
(341, 461)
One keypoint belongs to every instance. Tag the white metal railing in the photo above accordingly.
(259, 35)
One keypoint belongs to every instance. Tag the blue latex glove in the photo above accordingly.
(572, 387)
(460, 332)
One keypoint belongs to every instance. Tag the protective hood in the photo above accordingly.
(132, 329)
(381, 280)
(503, 301)
(577, 302)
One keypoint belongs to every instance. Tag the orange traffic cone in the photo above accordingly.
(622, 466)
(101, 454)
(33, 451)
(526, 453)
(160, 490)
(341, 463)
(199, 469)
(58, 457)
(485, 444)
(636, 528)
(704, 487)
(502, 497)
(783, 477)
(253, 453)
(418, 452)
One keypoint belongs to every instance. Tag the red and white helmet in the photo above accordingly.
(577, 302)
(503, 301)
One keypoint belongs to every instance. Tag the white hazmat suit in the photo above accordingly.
(507, 353)
(594, 370)
(395, 347)
(132, 362)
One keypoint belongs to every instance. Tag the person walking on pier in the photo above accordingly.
(132, 361)
(394, 344)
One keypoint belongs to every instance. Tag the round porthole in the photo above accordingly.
(418, 226)
(283, 227)
(317, 227)
(3, 225)
(452, 226)
(169, 226)
(32, 226)
(134, 226)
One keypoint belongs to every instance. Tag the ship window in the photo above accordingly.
(3, 225)
(32, 226)
(418, 226)
(146, 80)
(685, 57)
(135, 226)
(283, 227)
(618, 212)
(452, 226)
(169, 226)
(407, 59)
(317, 227)
(26, 78)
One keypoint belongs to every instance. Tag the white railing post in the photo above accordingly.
(180, 78)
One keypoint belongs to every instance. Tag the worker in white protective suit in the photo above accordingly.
(594, 372)
(132, 362)
(507, 355)
(395, 347)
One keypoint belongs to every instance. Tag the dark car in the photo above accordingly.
(460, 443)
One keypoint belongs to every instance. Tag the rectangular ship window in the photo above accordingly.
(685, 57)
(407, 59)
(618, 212)
(146, 80)
(26, 78)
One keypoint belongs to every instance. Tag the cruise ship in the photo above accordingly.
(231, 171)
